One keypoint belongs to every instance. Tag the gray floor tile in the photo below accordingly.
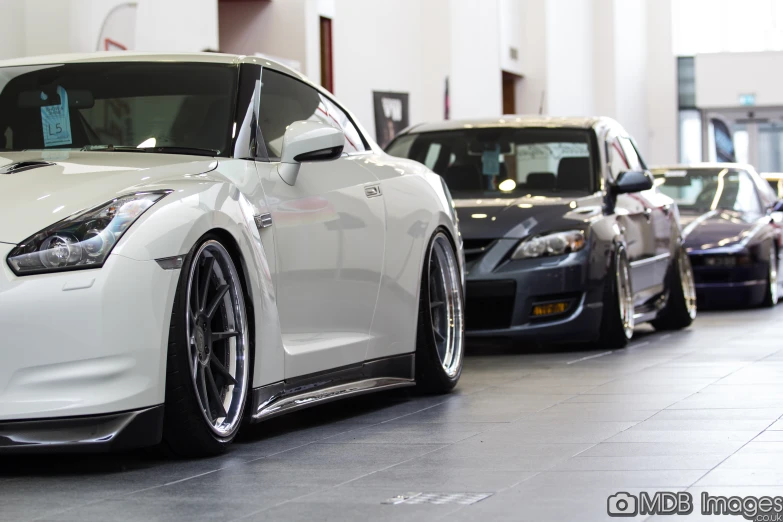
(550, 434)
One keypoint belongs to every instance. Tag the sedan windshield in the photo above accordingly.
(162, 107)
(703, 189)
(498, 161)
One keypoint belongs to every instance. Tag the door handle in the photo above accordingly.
(372, 191)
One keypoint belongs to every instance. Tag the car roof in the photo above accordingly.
(704, 166)
(134, 56)
(510, 121)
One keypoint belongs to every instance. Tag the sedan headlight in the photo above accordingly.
(83, 240)
(555, 244)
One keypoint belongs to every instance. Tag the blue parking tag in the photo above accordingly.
(56, 121)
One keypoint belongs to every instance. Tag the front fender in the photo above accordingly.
(174, 226)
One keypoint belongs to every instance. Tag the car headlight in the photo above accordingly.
(555, 244)
(83, 240)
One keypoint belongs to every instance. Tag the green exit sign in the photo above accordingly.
(747, 100)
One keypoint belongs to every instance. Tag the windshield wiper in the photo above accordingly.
(155, 150)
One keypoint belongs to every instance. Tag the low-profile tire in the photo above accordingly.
(771, 294)
(440, 333)
(680, 308)
(617, 317)
(208, 363)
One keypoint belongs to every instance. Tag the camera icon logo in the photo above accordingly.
(622, 504)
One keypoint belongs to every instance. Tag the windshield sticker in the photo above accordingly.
(676, 173)
(490, 161)
(56, 121)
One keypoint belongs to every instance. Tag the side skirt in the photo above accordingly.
(310, 390)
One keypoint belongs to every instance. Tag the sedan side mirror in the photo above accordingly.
(306, 141)
(633, 181)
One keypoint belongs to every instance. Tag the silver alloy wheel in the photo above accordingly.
(218, 338)
(625, 293)
(773, 274)
(688, 284)
(445, 300)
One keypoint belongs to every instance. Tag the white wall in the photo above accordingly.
(314, 10)
(274, 28)
(177, 25)
(36, 27)
(395, 55)
(569, 73)
(661, 78)
(476, 80)
(511, 35)
(11, 29)
(531, 93)
(630, 72)
(722, 78)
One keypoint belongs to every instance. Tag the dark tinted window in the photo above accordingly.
(338, 117)
(74, 106)
(506, 160)
(285, 100)
(709, 189)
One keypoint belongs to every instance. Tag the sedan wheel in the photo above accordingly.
(680, 308)
(625, 295)
(218, 338)
(617, 320)
(771, 296)
(440, 336)
(208, 371)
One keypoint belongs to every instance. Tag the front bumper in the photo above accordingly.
(500, 297)
(83, 343)
(720, 285)
(112, 432)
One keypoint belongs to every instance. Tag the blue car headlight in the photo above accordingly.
(83, 240)
(555, 244)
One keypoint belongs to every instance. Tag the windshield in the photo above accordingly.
(500, 161)
(703, 190)
(118, 104)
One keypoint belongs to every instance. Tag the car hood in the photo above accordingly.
(717, 228)
(517, 218)
(31, 200)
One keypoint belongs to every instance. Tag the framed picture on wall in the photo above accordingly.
(391, 115)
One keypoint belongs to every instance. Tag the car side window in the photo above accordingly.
(747, 199)
(285, 100)
(339, 118)
(634, 161)
(618, 160)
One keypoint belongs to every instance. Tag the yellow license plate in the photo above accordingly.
(550, 309)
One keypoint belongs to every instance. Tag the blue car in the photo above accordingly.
(731, 226)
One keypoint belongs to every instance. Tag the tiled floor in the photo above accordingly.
(549, 435)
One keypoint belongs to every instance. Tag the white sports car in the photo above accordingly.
(191, 242)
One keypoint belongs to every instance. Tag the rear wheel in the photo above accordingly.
(617, 320)
(771, 295)
(208, 367)
(440, 336)
(680, 309)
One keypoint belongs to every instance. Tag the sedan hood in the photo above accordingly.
(717, 228)
(32, 199)
(517, 218)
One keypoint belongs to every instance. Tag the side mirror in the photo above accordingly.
(306, 141)
(633, 181)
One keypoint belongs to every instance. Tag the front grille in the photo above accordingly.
(712, 276)
(489, 305)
